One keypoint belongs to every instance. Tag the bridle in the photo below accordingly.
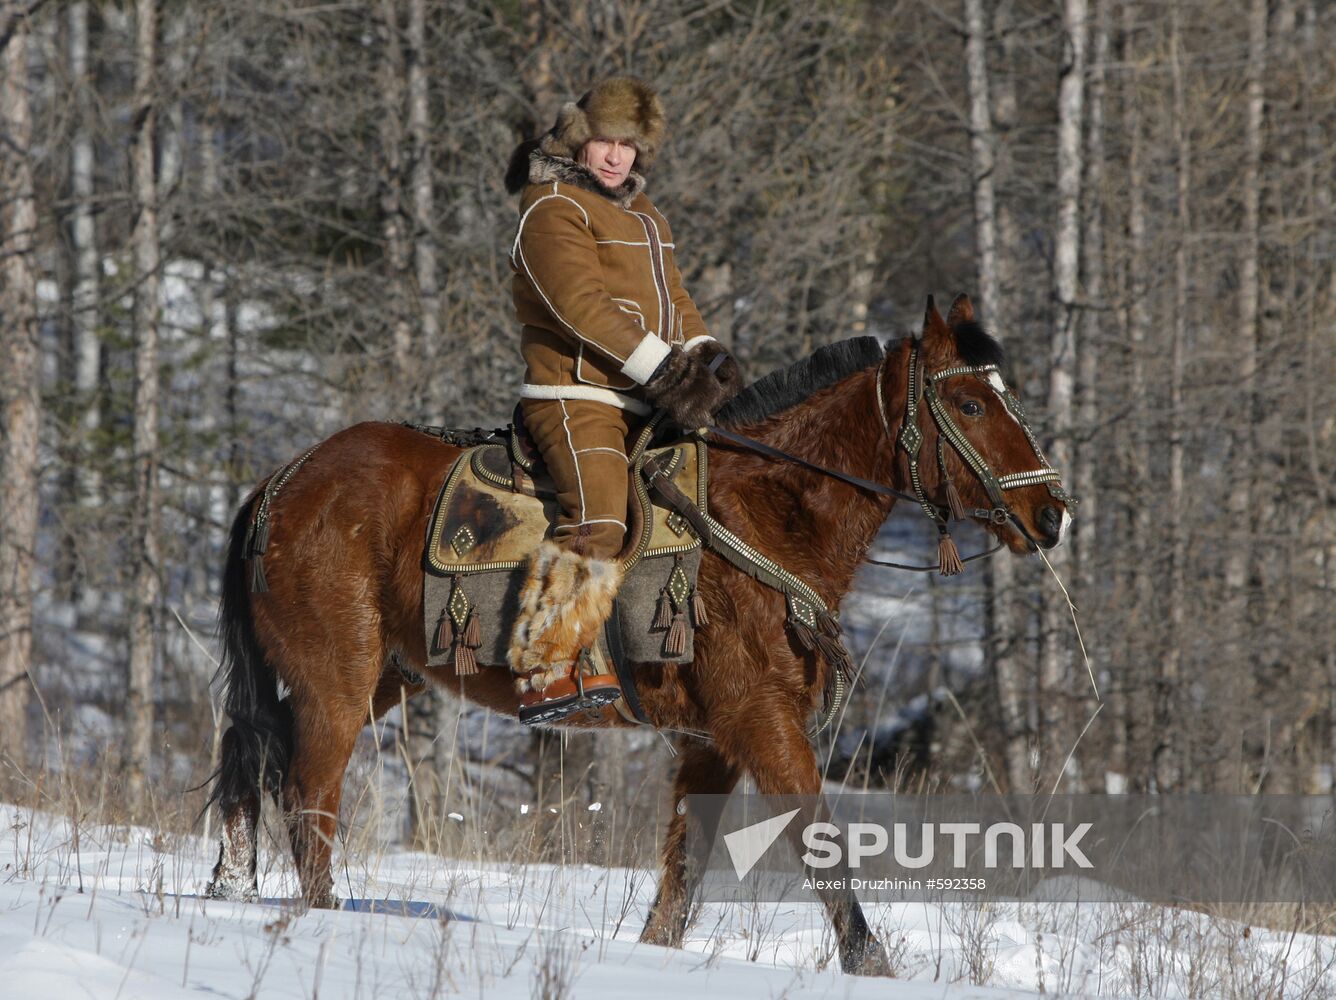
(910, 438)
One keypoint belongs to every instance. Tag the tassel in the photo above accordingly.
(836, 655)
(948, 558)
(473, 632)
(676, 643)
(256, 544)
(954, 502)
(259, 585)
(829, 626)
(663, 614)
(445, 633)
(466, 663)
(698, 615)
(804, 633)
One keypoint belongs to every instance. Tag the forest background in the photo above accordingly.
(231, 227)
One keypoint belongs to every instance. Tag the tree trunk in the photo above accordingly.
(392, 198)
(1088, 367)
(1242, 467)
(87, 345)
(21, 389)
(1168, 754)
(1006, 667)
(425, 249)
(144, 539)
(1238, 565)
(432, 710)
(1137, 679)
(1053, 678)
(982, 165)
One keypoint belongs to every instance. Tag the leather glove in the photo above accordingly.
(728, 373)
(685, 387)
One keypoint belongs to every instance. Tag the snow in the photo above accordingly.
(112, 912)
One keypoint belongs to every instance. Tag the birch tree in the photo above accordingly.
(144, 540)
(1243, 465)
(20, 386)
(87, 345)
(1063, 361)
(1007, 670)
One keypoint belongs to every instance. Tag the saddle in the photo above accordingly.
(496, 506)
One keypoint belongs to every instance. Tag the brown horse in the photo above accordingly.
(345, 591)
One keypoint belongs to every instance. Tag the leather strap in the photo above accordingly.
(612, 638)
(769, 452)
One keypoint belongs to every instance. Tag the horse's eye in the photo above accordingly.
(971, 409)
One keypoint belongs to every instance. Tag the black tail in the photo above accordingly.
(257, 747)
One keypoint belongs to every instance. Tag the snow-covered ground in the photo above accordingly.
(111, 913)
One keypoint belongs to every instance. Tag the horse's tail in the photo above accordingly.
(257, 747)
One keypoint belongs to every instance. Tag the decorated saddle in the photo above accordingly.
(496, 506)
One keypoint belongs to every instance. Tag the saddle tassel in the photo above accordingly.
(445, 632)
(663, 612)
(466, 642)
(698, 615)
(676, 643)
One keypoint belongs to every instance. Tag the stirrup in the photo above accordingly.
(571, 695)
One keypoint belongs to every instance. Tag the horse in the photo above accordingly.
(343, 606)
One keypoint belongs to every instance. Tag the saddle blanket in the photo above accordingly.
(494, 509)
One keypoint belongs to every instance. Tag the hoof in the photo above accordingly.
(234, 890)
(869, 959)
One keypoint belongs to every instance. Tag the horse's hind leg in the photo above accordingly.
(702, 772)
(780, 760)
(325, 735)
(234, 874)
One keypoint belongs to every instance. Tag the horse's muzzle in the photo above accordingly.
(1051, 523)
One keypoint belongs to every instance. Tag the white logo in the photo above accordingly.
(746, 846)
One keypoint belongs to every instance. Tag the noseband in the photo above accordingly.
(925, 385)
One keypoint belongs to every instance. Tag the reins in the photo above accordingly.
(771, 452)
(910, 438)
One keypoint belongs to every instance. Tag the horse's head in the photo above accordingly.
(976, 454)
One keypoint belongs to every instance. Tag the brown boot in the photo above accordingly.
(565, 601)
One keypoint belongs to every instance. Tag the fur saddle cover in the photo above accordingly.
(494, 509)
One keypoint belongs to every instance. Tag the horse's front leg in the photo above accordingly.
(702, 772)
(775, 750)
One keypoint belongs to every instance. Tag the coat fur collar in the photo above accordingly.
(544, 169)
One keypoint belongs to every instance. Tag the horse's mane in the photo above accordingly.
(789, 386)
(977, 347)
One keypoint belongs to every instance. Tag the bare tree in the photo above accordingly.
(144, 540)
(87, 346)
(1053, 688)
(1007, 670)
(21, 396)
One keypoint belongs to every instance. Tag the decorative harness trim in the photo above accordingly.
(910, 439)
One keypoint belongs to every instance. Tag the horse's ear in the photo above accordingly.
(933, 323)
(962, 311)
(935, 339)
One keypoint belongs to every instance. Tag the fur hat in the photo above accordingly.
(620, 107)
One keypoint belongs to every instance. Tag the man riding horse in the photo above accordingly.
(609, 334)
